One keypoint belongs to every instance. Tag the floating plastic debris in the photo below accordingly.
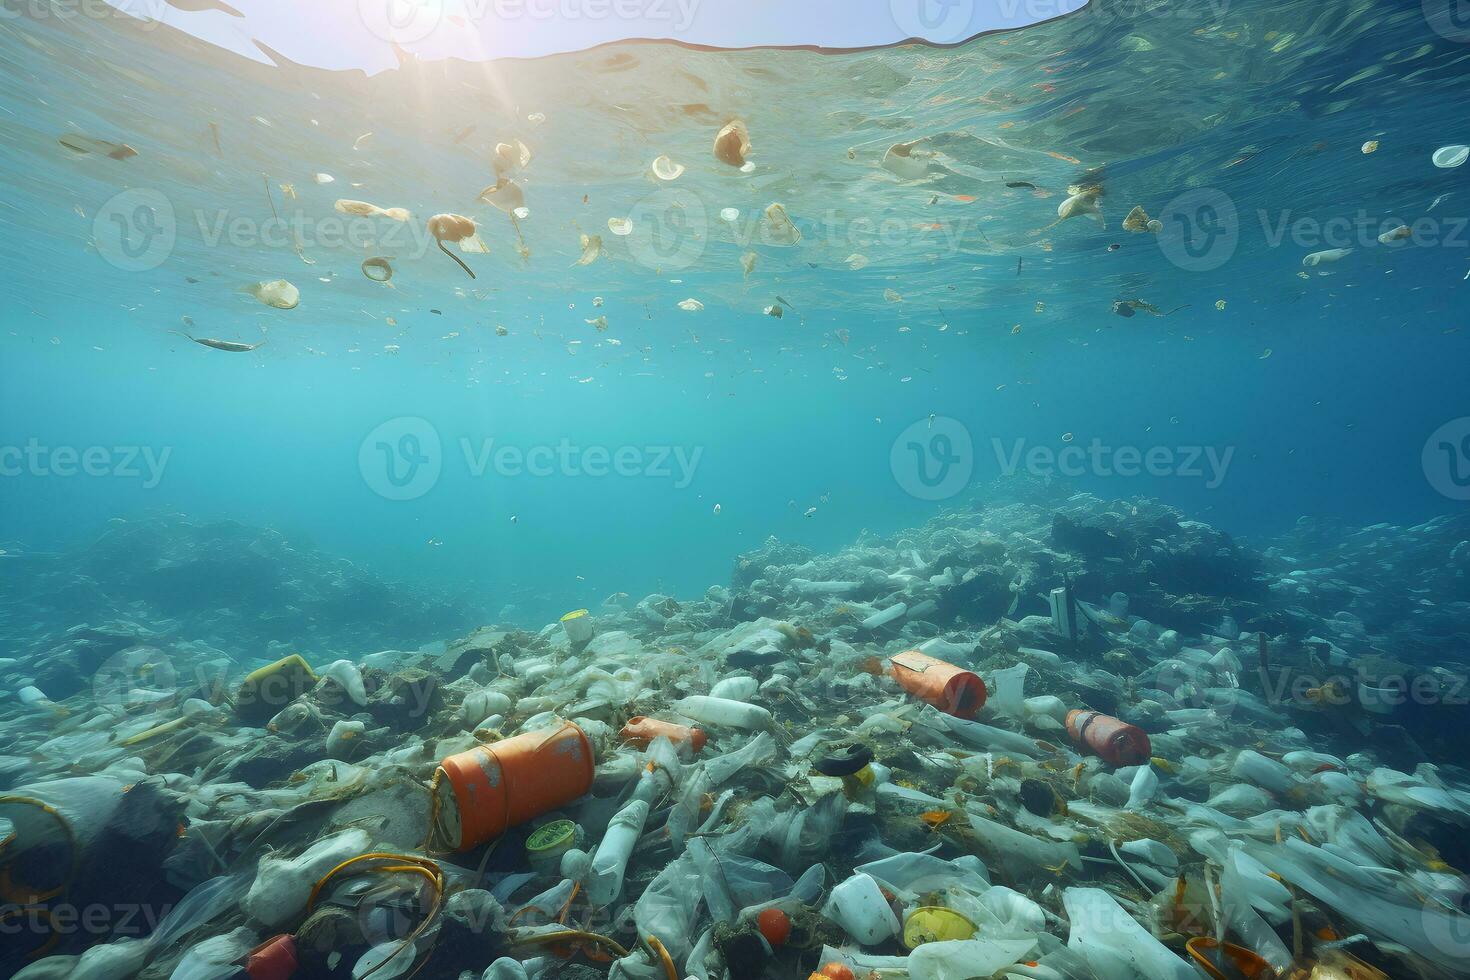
(505, 195)
(1370, 147)
(892, 296)
(1449, 157)
(1327, 255)
(732, 144)
(277, 293)
(86, 144)
(366, 210)
(324, 178)
(599, 322)
(691, 305)
(906, 161)
(620, 226)
(377, 268)
(1082, 202)
(747, 263)
(510, 157)
(666, 169)
(591, 249)
(1139, 222)
(597, 301)
(731, 215)
(1394, 234)
(453, 228)
(778, 228)
(857, 261)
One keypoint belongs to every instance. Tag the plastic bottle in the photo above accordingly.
(949, 688)
(605, 879)
(1115, 742)
(722, 711)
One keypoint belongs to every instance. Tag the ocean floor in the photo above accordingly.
(1043, 736)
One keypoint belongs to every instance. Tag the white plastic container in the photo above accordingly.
(735, 688)
(858, 906)
(885, 616)
(605, 878)
(722, 711)
(579, 626)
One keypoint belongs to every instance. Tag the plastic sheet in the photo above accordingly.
(1115, 946)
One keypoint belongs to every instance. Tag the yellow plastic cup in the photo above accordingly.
(934, 924)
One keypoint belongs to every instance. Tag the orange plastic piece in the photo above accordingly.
(949, 688)
(495, 787)
(775, 925)
(1115, 742)
(274, 959)
(1245, 961)
(640, 731)
(833, 971)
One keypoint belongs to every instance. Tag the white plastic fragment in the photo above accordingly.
(858, 906)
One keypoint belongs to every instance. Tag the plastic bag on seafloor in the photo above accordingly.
(1370, 900)
(281, 886)
(809, 833)
(696, 966)
(1007, 691)
(200, 905)
(976, 735)
(757, 752)
(965, 959)
(686, 812)
(637, 965)
(1022, 855)
(718, 893)
(504, 968)
(1115, 946)
(1238, 900)
(216, 957)
(669, 906)
(910, 874)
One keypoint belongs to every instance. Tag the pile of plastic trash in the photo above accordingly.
(964, 751)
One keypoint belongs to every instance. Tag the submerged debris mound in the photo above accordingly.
(1046, 737)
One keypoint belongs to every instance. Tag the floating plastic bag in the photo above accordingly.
(1115, 946)
(966, 959)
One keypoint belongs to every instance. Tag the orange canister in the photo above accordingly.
(480, 794)
(951, 689)
(1115, 742)
(640, 731)
(274, 959)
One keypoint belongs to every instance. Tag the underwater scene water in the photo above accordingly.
(653, 489)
